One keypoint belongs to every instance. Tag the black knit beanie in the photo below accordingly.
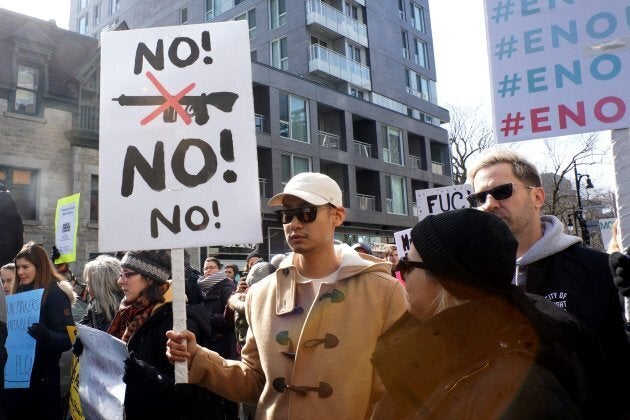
(468, 246)
(155, 264)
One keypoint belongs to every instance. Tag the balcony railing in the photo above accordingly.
(437, 168)
(366, 202)
(362, 149)
(417, 93)
(329, 140)
(334, 64)
(87, 119)
(416, 162)
(389, 203)
(335, 20)
(262, 185)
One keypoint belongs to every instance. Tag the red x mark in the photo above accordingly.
(171, 101)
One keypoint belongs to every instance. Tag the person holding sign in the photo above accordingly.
(473, 345)
(144, 316)
(550, 263)
(313, 323)
(42, 399)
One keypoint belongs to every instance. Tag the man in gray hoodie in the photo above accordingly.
(550, 263)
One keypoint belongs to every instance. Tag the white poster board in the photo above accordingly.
(605, 227)
(177, 138)
(558, 67)
(439, 200)
(403, 242)
(101, 386)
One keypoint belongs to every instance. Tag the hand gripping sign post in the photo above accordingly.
(177, 143)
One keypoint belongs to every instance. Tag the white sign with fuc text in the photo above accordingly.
(442, 199)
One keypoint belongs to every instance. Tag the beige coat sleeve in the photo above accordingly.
(235, 380)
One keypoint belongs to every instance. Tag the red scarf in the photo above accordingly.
(129, 318)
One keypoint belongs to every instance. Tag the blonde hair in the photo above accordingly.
(102, 276)
(522, 169)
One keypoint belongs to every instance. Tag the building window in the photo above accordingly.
(114, 6)
(351, 10)
(83, 24)
(357, 92)
(27, 90)
(94, 199)
(23, 186)
(354, 53)
(254, 55)
(82, 4)
(392, 147)
(97, 14)
(183, 16)
(401, 9)
(293, 118)
(250, 16)
(396, 194)
(277, 13)
(417, 17)
(279, 57)
(293, 165)
(405, 45)
(421, 53)
(420, 86)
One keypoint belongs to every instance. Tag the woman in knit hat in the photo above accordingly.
(472, 345)
(144, 316)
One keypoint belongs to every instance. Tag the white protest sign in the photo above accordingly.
(439, 200)
(403, 242)
(558, 67)
(605, 227)
(177, 138)
(22, 312)
(101, 386)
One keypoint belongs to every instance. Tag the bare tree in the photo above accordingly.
(468, 134)
(583, 150)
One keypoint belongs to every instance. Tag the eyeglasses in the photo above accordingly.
(404, 266)
(502, 192)
(126, 274)
(304, 214)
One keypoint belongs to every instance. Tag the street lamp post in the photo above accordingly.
(579, 213)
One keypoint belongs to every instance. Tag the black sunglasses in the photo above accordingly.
(304, 214)
(502, 192)
(405, 265)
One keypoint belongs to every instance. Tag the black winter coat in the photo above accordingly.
(43, 400)
(578, 279)
(151, 392)
(11, 228)
(223, 339)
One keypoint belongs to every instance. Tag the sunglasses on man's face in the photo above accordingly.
(304, 214)
(502, 192)
(404, 266)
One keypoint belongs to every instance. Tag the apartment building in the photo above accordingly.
(342, 87)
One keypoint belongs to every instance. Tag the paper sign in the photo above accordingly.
(558, 67)
(177, 138)
(22, 312)
(66, 224)
(101, 386)
(439, 200)
(403, 242)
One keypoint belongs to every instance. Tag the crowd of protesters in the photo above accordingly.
(493, 312)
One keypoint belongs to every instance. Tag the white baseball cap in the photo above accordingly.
(314, 188)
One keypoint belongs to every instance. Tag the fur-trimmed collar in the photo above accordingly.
(66, 287)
